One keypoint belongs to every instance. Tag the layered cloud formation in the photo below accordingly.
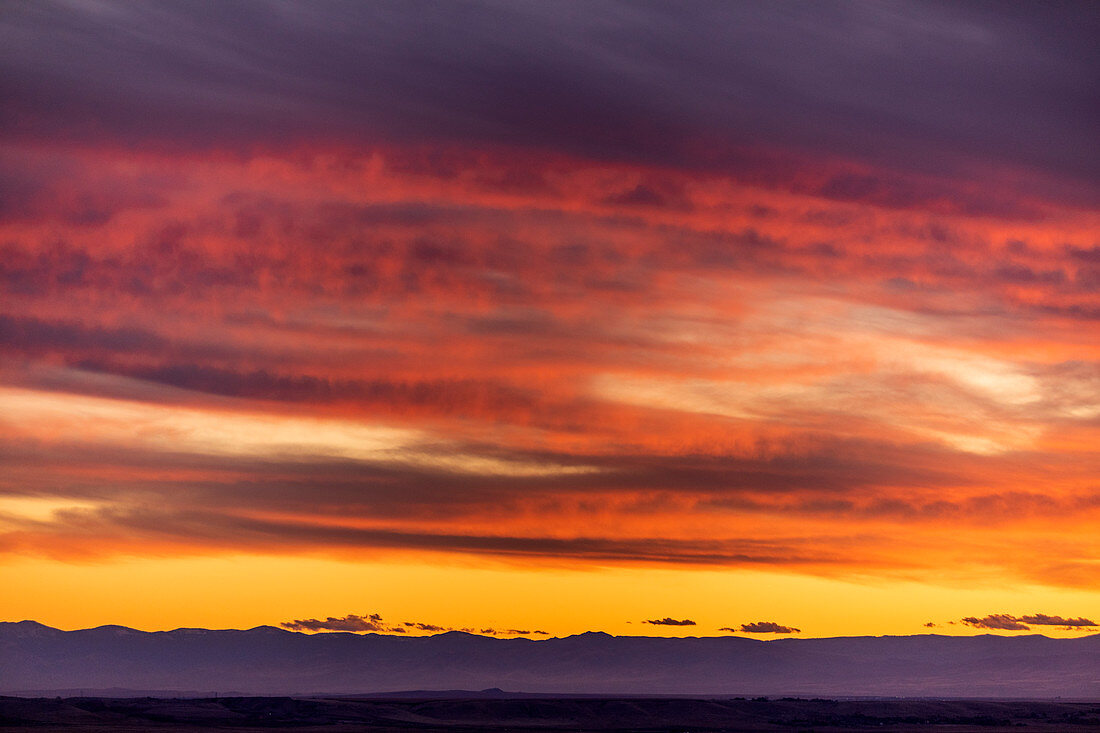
(804, 287)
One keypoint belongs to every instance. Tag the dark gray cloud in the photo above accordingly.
(765, 627)
(910, 82)
(668, 621)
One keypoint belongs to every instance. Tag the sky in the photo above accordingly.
(645, 317)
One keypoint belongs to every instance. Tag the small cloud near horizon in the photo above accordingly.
(763, 627)
(1041, 619)
(1008, 622)
(373, 622)
(351, 622)
(667, 621)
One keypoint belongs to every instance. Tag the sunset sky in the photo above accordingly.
(551, 316)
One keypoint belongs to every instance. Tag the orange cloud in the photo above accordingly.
(344, 350)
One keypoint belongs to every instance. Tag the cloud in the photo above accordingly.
(715, 76)
(1041, 619)
(666, 621)
(512, 274)
(36, 336)
(646, 195)
(1008, 622)
(230, 530)
(442, 395)
(351, 622)
(374, 623)
(766, 627)
(1085, 254)
(1001, 621)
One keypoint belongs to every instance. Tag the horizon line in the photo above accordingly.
(528, 637)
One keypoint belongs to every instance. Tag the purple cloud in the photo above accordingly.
(765, 627)
(351, 622)
(667, 621)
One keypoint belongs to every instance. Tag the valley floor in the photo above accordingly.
(546, 715)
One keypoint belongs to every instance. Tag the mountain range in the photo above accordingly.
(38, 659)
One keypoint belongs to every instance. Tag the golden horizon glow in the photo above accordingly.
(152, 594)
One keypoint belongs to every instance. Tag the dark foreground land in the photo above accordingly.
(544, 714)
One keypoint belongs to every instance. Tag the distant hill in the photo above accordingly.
(271, 661)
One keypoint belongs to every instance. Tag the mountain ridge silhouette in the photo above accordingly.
(266, 660)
